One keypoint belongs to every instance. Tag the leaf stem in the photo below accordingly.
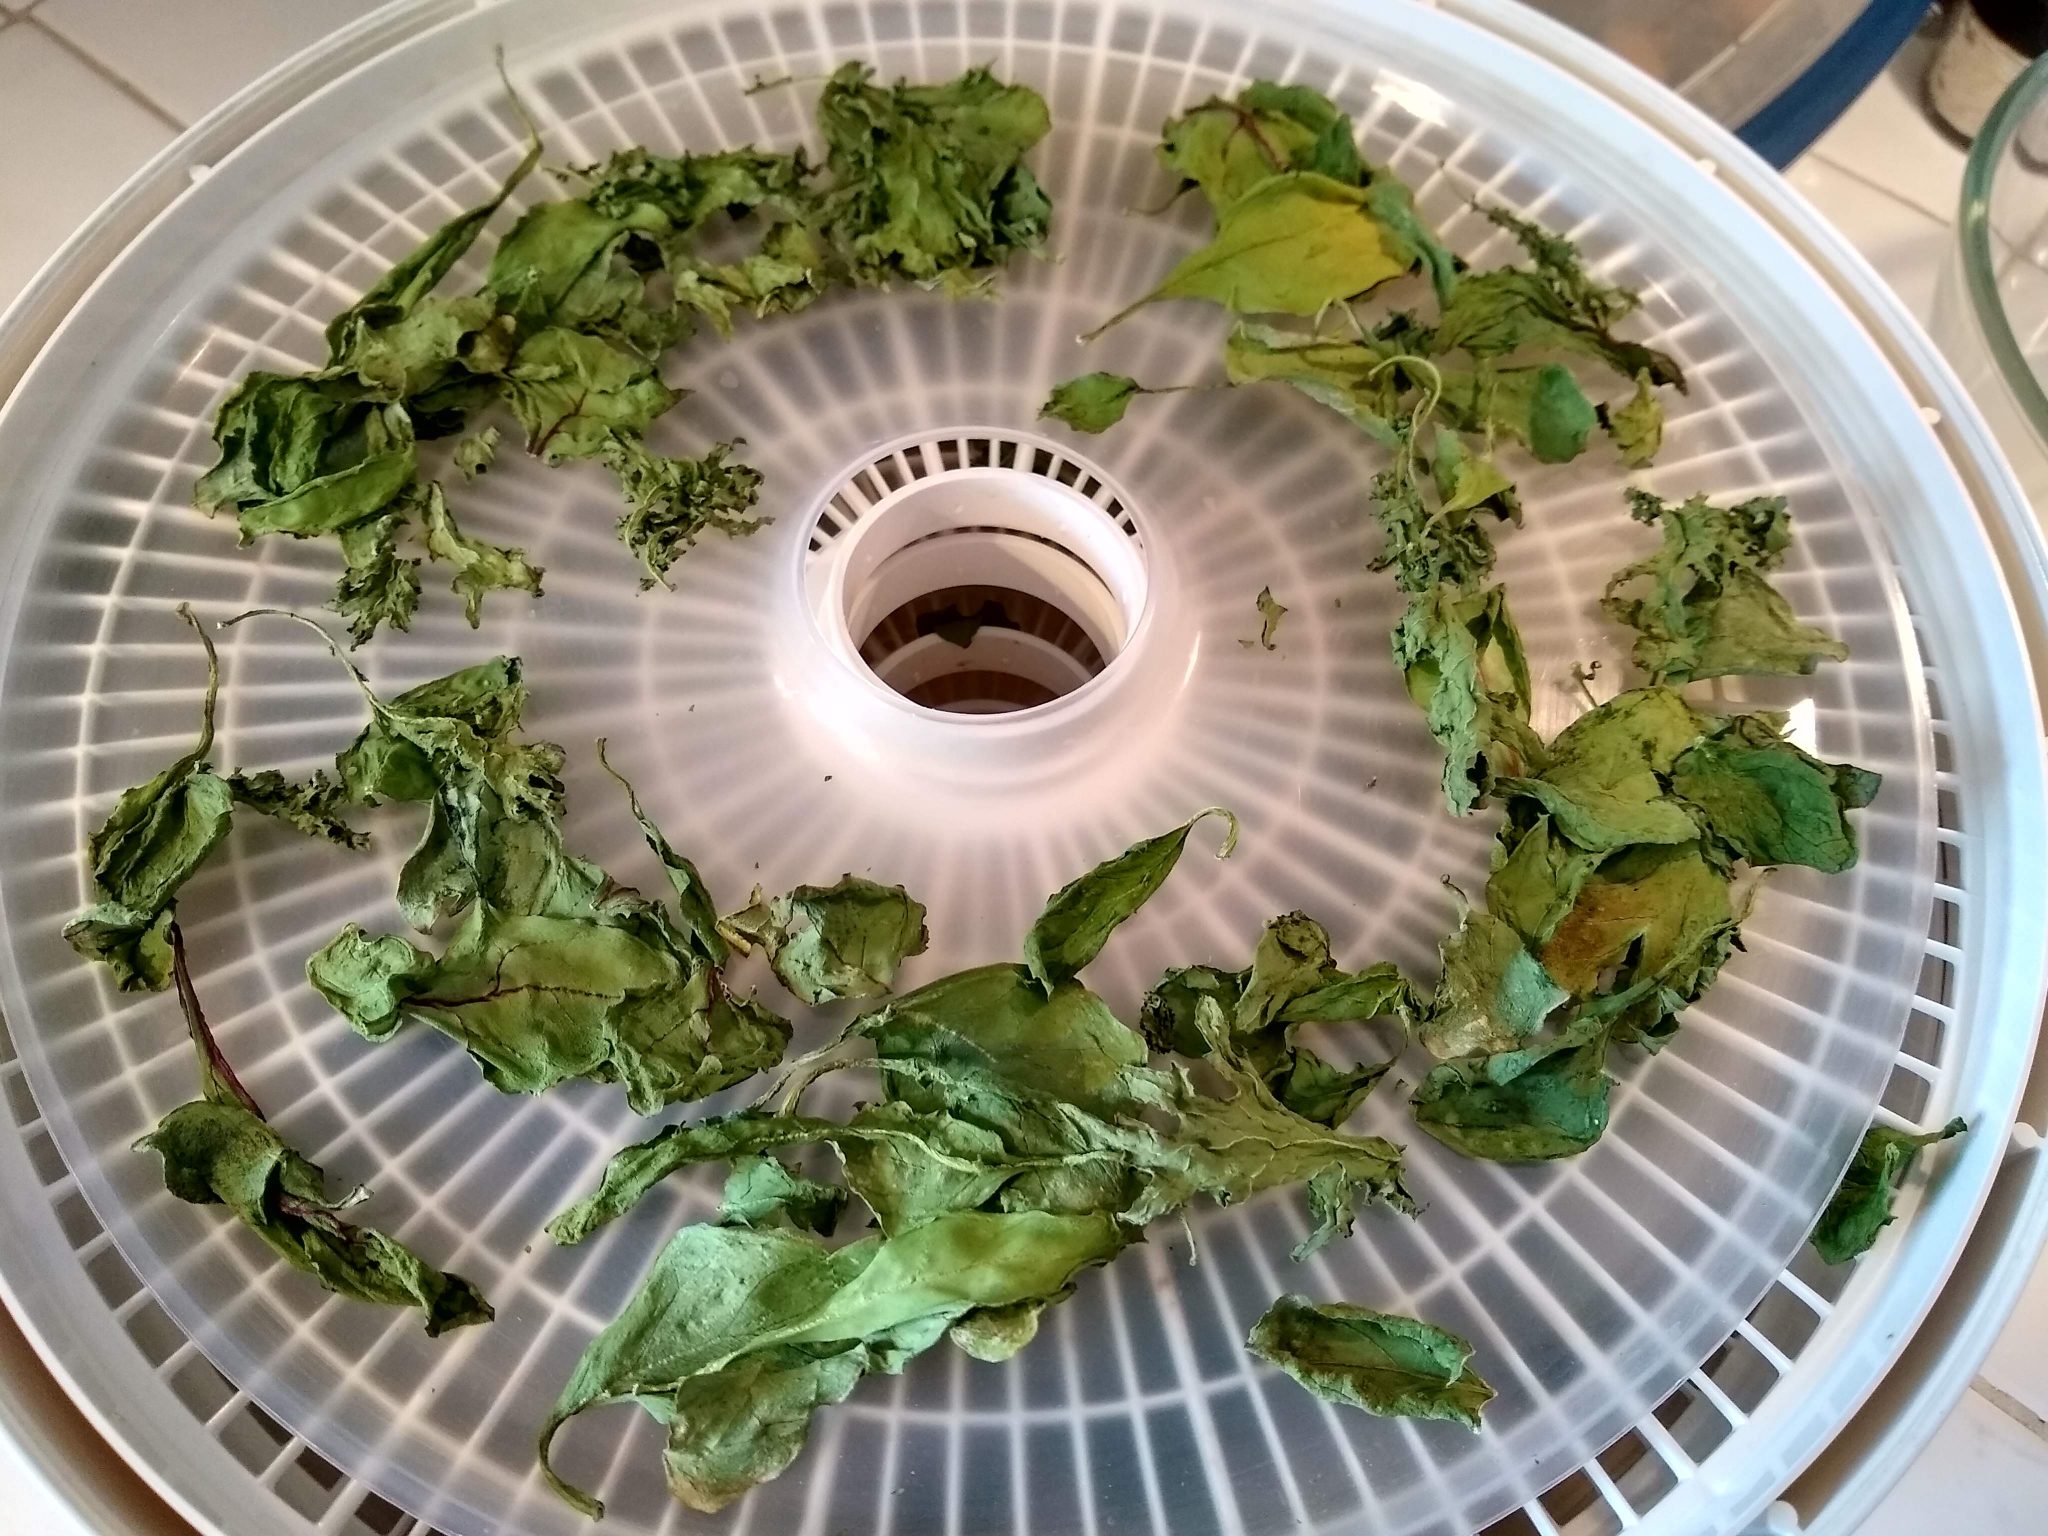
(333, 645)
(217, 1075)
(212, 682)
(1229, 844)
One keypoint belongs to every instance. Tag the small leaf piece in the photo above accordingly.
(1861, 1206)
(1702, 607)
(1394, 1367)
(312, 806)
(1270, 615)
(1094, 402)
(479, 567)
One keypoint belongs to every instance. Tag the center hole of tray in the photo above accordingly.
(996, 581)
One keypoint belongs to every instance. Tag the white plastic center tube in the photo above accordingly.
(983, 526)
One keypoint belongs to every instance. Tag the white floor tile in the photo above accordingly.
(1905, 243)
(49, 101)
(186, 57)
(1887, 138)
(2018, 1363)
(1982, 1473)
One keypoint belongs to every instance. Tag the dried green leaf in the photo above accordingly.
(1762, 799)
(670, 503)
(1079, 917)
(1251, 1142)
(1292, 244)
(576, 393)
(762, 1190)
(1270, 615)
(693, 897)
(1395, 1367)
(732, 1337)
(222, 1154)
(218, 1150)
(1094, 402)
(1530, 1105)
(378, 586)
(313, 806)
(1604, 786)
(1493, 995)
(929, 181)
(1462, 659)
(827, 942)
(1636, 426)
(1702, 606)
(157, 834)
(1861, 1206)
(479, 567)
(1060, 1041)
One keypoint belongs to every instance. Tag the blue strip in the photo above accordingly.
(1805, 108)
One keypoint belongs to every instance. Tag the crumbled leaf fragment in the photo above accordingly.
(1637, 425)
(1861, 1206)
(1702, 605)
(1270, 615)
(473, 455)
(378, 585)
(313, 806)
(479, 567)
(929, 181)
(1395, 1367)
(671, 503)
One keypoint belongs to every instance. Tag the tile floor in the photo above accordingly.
(89, 89)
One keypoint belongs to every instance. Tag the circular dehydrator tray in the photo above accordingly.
(1588, 1288)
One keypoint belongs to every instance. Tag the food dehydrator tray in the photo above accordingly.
(1600, 1290)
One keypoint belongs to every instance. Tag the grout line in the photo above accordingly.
(2012, 1408)
(1850, 171)
(125, 87)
